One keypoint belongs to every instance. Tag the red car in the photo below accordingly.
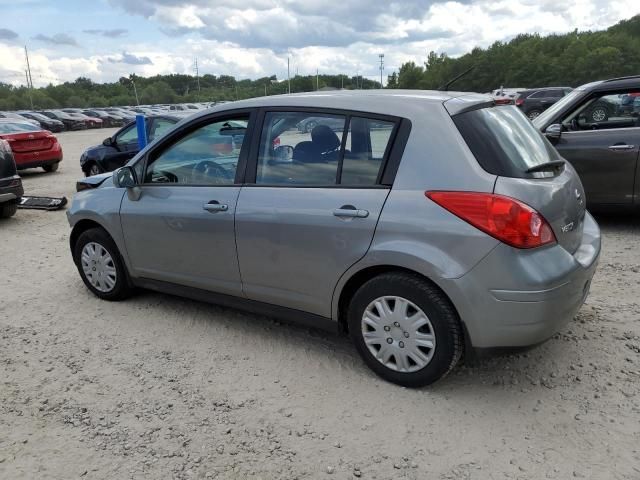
(31, 146)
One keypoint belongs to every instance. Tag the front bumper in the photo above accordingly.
(518, 298)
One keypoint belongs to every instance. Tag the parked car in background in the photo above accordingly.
(31, 146)
(10, 183)
(47, 123)
(594, 130)
(309, 123)
(474, 235)
(122, 146)
(506, 96)
(108, 119)
(70, 123)
(535, 101)
(20, 118)
(91, 122)
(125, 114)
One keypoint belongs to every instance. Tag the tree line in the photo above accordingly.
(530, 61)
(526, 61)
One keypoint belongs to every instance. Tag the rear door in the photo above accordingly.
(311, 205)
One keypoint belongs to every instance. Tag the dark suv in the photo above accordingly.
(535, 101)
(597, 128)
(10, 183)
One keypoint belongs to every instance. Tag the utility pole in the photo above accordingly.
(288, 77)
(381, 68)
(135, 90)
(28, 75)
(195, 68)
(317, 81)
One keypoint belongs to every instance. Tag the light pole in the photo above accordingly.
(381, 68)
(135, 90)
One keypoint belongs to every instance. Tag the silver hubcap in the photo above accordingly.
(598, 115)
(533, 115)
(398, 334)
(98, 267)
(94, 170)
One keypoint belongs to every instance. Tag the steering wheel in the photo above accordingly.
(210, 172)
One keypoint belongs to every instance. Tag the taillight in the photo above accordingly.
(504, 218)
(519, 101)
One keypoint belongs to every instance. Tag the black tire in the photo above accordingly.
(51, 167)
(310, 126)
(8, 209)
(122, 288)
(449, 341)
(599, 114)
(93, 169)
(533, 113)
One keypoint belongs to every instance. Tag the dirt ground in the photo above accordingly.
(161, 387)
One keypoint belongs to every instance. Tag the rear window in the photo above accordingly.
(504, 141)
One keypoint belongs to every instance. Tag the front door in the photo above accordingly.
(125, 146)
(602, 141)
(313, 209)
(181, 228)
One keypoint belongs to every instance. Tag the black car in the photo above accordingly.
(10, 184)
(596, 131)
(47, 123)
(70, 123)
(108, 119)
(535, 101)
(118, 149)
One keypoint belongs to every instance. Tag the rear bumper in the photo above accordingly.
(517, 298)
(10, 193)
(38, 159)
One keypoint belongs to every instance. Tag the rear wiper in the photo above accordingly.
(552, 165)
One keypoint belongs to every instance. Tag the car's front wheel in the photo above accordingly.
(100, 265)
(94, 169)
(533, 114)
(405, 329)
(599, 114)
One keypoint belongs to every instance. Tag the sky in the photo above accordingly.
(107, 39)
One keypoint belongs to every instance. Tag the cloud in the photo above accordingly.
(6, 34)
(131, 59)
(57, 39)
(113, 33)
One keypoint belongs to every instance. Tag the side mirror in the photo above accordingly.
(553, 132)
(283, 153)
(124, 177)
(108, 142)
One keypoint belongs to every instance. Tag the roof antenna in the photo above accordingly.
(446, 86)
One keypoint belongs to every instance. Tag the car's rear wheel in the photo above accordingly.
(534, 114)
(52, 167)
(405, 329)
(100, 265)
(8, 209)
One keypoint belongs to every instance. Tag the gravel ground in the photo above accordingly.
(161, 387)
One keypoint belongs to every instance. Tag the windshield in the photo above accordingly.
(17, 127)
(548, 114)
(504, 141)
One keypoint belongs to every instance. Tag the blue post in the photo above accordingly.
(142, 131)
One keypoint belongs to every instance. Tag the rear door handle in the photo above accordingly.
(622, 147)
(215, 206)
(349, 211)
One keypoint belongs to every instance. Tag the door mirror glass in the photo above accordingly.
(108, 142)
(553, 132)
(124, 177)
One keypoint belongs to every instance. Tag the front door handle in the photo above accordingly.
(215, 206)
(621, 147)
(349, 211)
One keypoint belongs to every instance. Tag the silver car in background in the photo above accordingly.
(425, 224)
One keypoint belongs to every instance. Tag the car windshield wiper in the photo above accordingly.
(552, 165)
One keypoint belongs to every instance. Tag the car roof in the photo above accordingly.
(389, 102)
(613, 83)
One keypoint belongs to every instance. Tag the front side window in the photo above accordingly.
(605, 111)
(207, 155)
(300, 149)
(128, 135)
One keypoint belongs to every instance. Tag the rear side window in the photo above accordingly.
(504, 141)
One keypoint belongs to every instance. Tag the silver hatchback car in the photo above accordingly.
(425, 224)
